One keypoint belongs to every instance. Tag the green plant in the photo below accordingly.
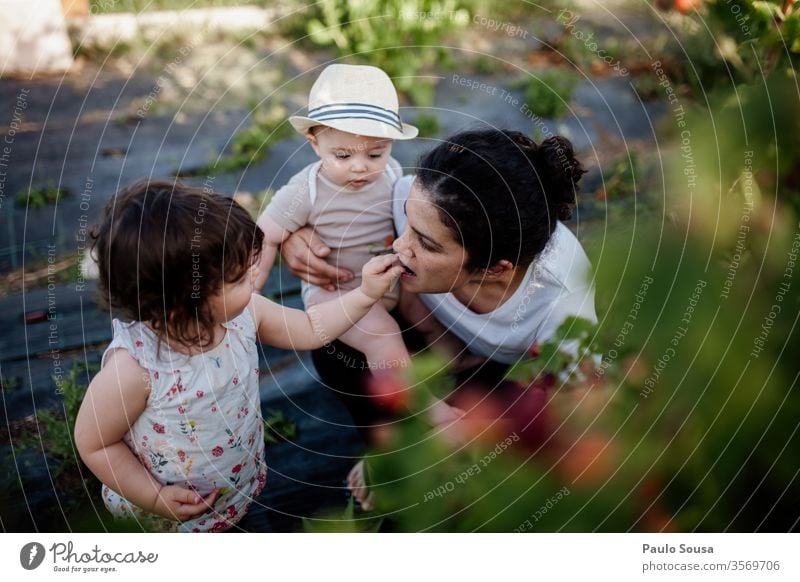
(9, 384)
(53, 429)
(401, 37)
(428, 125)
(278, 428)
(138, 6)
(41, 196)
(60, 426)
(548, 93)
(344, 522)
(251, 145)
(485, 65)
(49, 434)
(619, 177)
(735, 41)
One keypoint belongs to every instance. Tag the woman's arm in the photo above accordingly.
(114, 400)
(307, 330)
(304, 254)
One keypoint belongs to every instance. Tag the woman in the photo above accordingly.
(483, 242)
(485, 253)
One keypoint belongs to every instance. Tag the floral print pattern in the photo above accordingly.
(202, 427)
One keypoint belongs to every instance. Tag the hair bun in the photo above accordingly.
(560, 171)
(523, 141)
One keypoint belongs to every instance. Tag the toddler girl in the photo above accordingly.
(171, 424)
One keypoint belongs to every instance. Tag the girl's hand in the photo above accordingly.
(379, 274)
(182, 504)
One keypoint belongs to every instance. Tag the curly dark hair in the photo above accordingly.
(500, 193)
(164, 249)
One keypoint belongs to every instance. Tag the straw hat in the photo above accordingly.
(356, 99)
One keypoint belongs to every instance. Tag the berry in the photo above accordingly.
(389, 391)
(686, 6)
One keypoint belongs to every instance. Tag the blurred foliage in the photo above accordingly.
(9, 383)
(619, 177)
(41, 196)
(427, 124)
(735, 41)
(687, 417)
(66, 495)
(251, 145)
(278, 428)
(137, 6)
(401, 37)
(345, 522)
(548, 93)
(54, 429)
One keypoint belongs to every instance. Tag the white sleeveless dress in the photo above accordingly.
(202, 427)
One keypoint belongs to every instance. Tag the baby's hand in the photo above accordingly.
(182, 504)
(379, 274)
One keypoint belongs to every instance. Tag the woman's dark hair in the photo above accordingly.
(500, 193)
(164, 248)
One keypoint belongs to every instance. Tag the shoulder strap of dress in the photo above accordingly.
(243, 322)
(133, 337)
(312, 182)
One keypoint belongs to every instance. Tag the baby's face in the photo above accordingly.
(349, 160)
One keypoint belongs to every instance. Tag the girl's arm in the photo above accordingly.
(274, 235)
(114, 400)
(287, 328)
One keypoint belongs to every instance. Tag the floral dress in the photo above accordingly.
(202, 426)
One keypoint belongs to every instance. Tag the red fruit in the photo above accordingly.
(653, 518)
(382, 436)
(589, 461)
(686, 6)
(389, 391)
(477, 404)
(533, 351)
(636, 369)
(532, 418)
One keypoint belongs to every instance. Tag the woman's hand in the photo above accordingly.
(304, 255)
(379, 274)
(182, 504)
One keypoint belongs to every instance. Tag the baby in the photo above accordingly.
(347, 195)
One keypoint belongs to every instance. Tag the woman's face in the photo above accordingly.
(428, 249)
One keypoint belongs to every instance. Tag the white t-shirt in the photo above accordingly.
(555, 286)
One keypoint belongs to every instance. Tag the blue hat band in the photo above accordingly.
(356, 111)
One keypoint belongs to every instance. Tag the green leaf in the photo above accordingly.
(768, 11)
(791, 31)
(318, 33)
(278, 428)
